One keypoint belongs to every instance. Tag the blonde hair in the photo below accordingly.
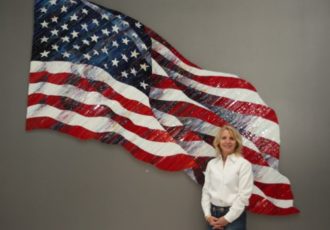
(237, 136)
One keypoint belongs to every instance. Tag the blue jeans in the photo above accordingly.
(238, 224)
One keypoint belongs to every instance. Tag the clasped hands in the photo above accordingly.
(217, 223)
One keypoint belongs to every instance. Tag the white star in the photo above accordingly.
(143, 46)
(133, 71)
(125, 41)
(134, 35)
(64, 27)
(124, 74)
(138, 25)
(125, 23)
(86, 42)
(44, 24)
(87, 56)
(143, 85)
(85, 11)
(54, 19)
(73, 2)
(104, 50)
(104, 16)
(73, 17)
(105, 66)
(84, 26)
(115, 43)
(134, 54)
(54, 32)
(106, 32)
(115, 29)
(55, 47)
(115, 62)
(95, 21)
(43, 10)
(66, 54)
(76, 47)
(44, 53)
(65, 39)
(64, 9)
(44, 39)
(118, 16)
(123, 56)
(144, 66)
(96, 52)
(94, 38)
(74, 34)
(53, 2)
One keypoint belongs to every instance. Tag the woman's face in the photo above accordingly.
(227, 142)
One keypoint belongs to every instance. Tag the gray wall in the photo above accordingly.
(49, 180)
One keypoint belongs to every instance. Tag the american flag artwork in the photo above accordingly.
(96, 73)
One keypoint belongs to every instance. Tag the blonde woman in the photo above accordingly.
(228, 183)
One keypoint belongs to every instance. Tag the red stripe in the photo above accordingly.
(261, 205)
(254, 157)
(268, 146)
(185, 109)
(65, 103)
(181, 133)
(158, 38)
(245, 108)
(264, 145)
(213, 81)
(277, 191)
(170, 163)
(90, 86)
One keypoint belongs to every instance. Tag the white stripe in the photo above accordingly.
(277, 202)
(172, 95)
(195, 148)
(94, 98)
(264, 128)
(101, 125)
(204, 127)
(157, 69)
(166, 119)
(268, 175)
(93, 73)
(163, 50)
(237, 94)
(198, 148)
(259, 126)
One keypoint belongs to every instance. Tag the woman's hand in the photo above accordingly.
(221, 222)
(214, 222)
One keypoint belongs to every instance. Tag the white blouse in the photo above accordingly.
(227, 185)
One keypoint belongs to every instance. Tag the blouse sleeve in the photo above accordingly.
(206, 204)
(245, 186)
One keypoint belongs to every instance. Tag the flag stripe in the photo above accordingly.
(93, 98)
(90, 86)
(169, 163)
(101, 125)
(65, 103)
(278, 191)
(261, 205)
(210, 100)
(93, 73)
(213, 81)
(280, 203)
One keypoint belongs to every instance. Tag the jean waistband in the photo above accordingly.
(220, 208)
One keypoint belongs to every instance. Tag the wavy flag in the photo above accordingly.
(98, 74)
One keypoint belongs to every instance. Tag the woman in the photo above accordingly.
(228, 183)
